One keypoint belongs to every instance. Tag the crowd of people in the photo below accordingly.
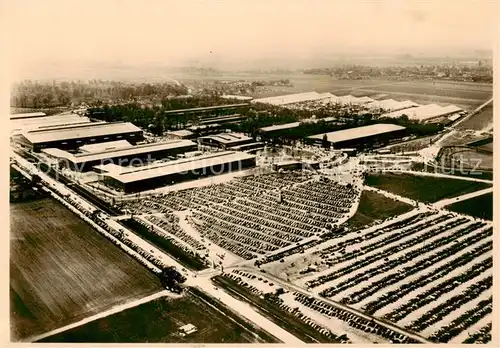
(353, 320)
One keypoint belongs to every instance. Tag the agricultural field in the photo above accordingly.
(483, 120)
(480, 206)
(441, 169)
(63, 271)
(374, 206)
(423, 188)
(487, 147)
(463, 94)
(159, 321)
(472, 159)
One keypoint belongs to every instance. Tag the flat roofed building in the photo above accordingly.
(237, 97)
(287, 165)
(360, 136)
(425, 112)
(138, 154)
(279, 127)
(106, 146)
(225, 140)
(27, 115)
(137, 179)
(79, 135)
(20, 124)
(222, 119)
(187, 329)
(206, 109)
(180, 134)
(248, 147)
(291, 98)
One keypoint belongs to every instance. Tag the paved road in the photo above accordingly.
(441, 175)
(448, 201)
(392, 195)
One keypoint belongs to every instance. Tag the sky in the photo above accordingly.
(171, 32)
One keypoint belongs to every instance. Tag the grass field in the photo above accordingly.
(473, 160)
(272, 311)
(187, 260)
(485, 175)
(159, 321)
(423, 188)
(487, 147)
(464, 94)
(374, 206)
(480, 206)
(61, 270)
(483, 119)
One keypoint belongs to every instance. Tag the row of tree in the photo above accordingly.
(32, 94)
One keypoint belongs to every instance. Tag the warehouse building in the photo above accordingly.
(292, 98)
(27, 115)
(180, 134)
(21, 124)
(225, 140)
(149, 177)
(75, 136)
(279, 127)
(208, 110)
(119, 154)
(359, 137)
(426, 113)
(224, 119)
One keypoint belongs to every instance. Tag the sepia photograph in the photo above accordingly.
(216, 172)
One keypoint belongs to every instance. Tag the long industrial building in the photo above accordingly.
(360, 136)
(17, 125)
(119, 153)
(75, 136)
(149, 177)
(225, 140)
(27, 115)
(426, 112)
(208, 110)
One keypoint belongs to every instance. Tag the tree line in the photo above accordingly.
(33, 94)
